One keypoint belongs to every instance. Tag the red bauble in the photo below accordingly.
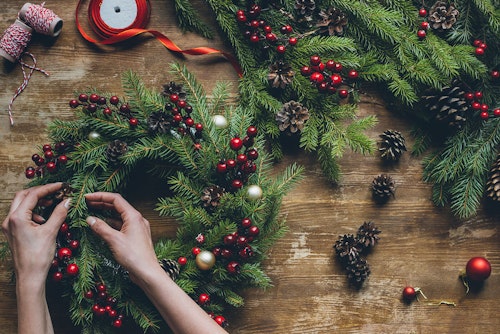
(72, 269)
(181, 104)
(30, 172)
(236, 143)
(315, 60)
(241, 241)
(83, 97)
(64, 253)
(479, 51)
(101, 287)
(421, 33)
(293, 41)
(74, 104)
(203, 299)
(281, 49)
(485, 107)
(495, 74)
(330, 65)
(62, 159)
(49, 154)
(231, 163)
(317, 77)
(343, 93)
(57, 276)
(422, 12)
(336, 79)
(117, 323)
(174, 98)
(195, 250)
(133, 121)
(221, 167)
(246, 222)
(337, 67)
(478, 95)
(229, 240)
(74, 244)
(478, 269)
(51, 166)
(477, 42)
(182, 260)
(484, 115)
(409, 293)
(114, 100)
(93, 98)
(233, 267)
(241, 158)
(254, 38)
(305, 70)
(189, 122)
(424, 25)
(253, 231)
(353, 74)
(476, 105)
(251, 131)
(198, 127)
(237, 184)
(46, 147)
(252, 154)
(64, 228)
(221, 320)
(496, 112)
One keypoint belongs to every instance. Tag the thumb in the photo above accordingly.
(58, 215)
(101, 228)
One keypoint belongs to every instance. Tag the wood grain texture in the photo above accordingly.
(420, 245)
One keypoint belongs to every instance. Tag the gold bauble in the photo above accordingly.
(205, 260)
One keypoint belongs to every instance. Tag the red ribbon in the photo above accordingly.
(111, 35)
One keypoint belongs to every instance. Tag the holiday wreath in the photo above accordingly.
(220, 192)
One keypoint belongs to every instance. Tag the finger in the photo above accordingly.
(101, 206)
(38, 219)
(45, 202)
(58, 216)
(115, 223)
(116, 201)
(33, 195)
(102, 229)
(18, 198)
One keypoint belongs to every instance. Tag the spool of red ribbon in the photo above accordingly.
(116, 21)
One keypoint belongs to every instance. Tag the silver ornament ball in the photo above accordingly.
(93, 135)
(254, 192)
(220, 121)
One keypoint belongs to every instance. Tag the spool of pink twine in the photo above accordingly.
(41, 19)
(14, 40)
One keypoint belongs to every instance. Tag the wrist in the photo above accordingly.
(151, 278)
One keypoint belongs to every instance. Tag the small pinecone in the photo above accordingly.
(449, 105)
(442, 15)
(368, 235)
(211, 196)
(357, 272)
(292, 117)
(493, 183)
(159, 122)
(173, 88)
(280, 74)
(383, 187)
(115, 149)
(392, 145)
(171, 267)
(332, 22)
(305, 9)
(64, 192)
(347, 248)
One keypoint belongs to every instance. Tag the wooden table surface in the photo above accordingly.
(421, 245)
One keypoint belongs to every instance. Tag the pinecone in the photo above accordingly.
(115, 150)
(280, 74)
(357, 272)
(173, 88)
(171, 267)
(63, 193)
(392, 145)
(442, 15)
(159, 122)
(383, 187)
(305, 9)
(332, 22)
(347, 248)
(493, 183)
(368, 235)
(211, 196)
(292, 117)
(449, 104)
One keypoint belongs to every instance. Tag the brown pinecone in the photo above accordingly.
(63, 193)
(280, 74)
(332, 22)
(211, 196)
(171, 267)
(449, 105)
(357, 272)
(493, 183)
(347, 248)
(392, 145)
(368, 235)
(292, 117)
(383, 187)
(115, 150)
(173, 88)
(305, 9)
(443, 15)
(159, 122)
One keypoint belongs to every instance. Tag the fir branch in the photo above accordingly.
(189, 19)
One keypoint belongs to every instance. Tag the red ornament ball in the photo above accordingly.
(251, 131)
(74, 104)
(422, 12)
(315, 60)
(246, 223)
(484, 115)
(293, 41)
(62, 159)
(343, 93)
(133, 121)
(233, 267)
(30, 172)
(64, 253)
(203, 299)
(421, 33)
(182, 260)
(317, 77)
(195, 251)
(221, 320)
(424, 25)
(495, 74)
(57, 276)
(221, 167)
(409, 293)
(236, 143)
(305, 70)
(72, 269)
(89, 294)
(496, 112)
(479, 51)
(114, 100)
(478, 269)
(117, 323)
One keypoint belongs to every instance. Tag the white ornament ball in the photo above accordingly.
(93, 135)
(254, 192)
(220, 121)
(205, 260)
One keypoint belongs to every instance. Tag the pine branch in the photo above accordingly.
(189, 19)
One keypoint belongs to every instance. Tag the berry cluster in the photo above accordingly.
(50, 161)
(93, 103)
(258, 31)
(333, 81)
(424, 25)
(474, 99)
(237, 170)
(204, 300)
(480, 47)
(62, 264)
(180, 112)
(104, 304)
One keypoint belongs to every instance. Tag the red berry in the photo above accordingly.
(189, 122)
(246, 252)
(252, 154)
(353, 74)
(93, 98)
(112, 313)
(241, 158)
(181, 104)
(195, 251)
(237, 184)
(92, 107)
(182, 260)
(133, 121)
(46, 147)
(422, 12)
(485, 107)
(317, 77)
(51, 166)
(424, 25)
(64, 253)
(315, 60)
(241, 17)
(246, 222)
(35, 157)
(409, 293)
(72, 269)
(254, 38)
(477, 42)
(89, 294)
(107, 111)
(479, 51)
(305, 70)
(49, 154)
(478, 269)
(478, 95)
(74, 244)
(281, 49)
(114, 100)
(233, 267)
(241, 241)
(236, 143)
(229, 240)
(483, 45)
(203, 299)
(60, 147)
(174, 98)
(476, 105)
(496, 112)
(253, 231)
(57, 276)
(101, 100)
(469, 96)
(495, 74)
(198, 127)
(62, 159)
(125, 108)
(270, 37)
(336, 79)
(74, 104)
(231, 163)
(484, 115)
(117, 323)
(330, 65)
(30, 172)
(421, 33)
(251, 131)
(177, 118)
(343, 93)
(101, 287)
(286, 29)
(221, 320)
(337, 67)
(83, 97)
(292, 41)
(221, 167)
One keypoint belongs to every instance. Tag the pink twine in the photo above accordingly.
(41, 19)
(14, 40)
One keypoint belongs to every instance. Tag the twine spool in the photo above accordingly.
(42, 20)
(15, 40)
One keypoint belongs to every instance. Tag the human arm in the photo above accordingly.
(180, 312)
(32, 241)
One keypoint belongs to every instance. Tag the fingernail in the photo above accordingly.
(67, 204)
(91, 220)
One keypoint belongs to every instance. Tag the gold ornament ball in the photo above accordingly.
(205, 260)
